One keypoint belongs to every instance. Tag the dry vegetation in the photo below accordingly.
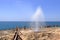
(43, 34)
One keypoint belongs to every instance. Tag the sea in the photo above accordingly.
(4, 25)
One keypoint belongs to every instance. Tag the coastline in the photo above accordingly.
(45, 32)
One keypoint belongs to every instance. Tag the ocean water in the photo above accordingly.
(4, 25)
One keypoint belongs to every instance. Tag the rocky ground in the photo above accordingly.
(42, 34)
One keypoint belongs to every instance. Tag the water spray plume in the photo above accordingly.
(38, 19)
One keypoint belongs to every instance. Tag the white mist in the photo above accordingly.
(38, 19)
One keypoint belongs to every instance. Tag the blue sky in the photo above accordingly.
(22, 10)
